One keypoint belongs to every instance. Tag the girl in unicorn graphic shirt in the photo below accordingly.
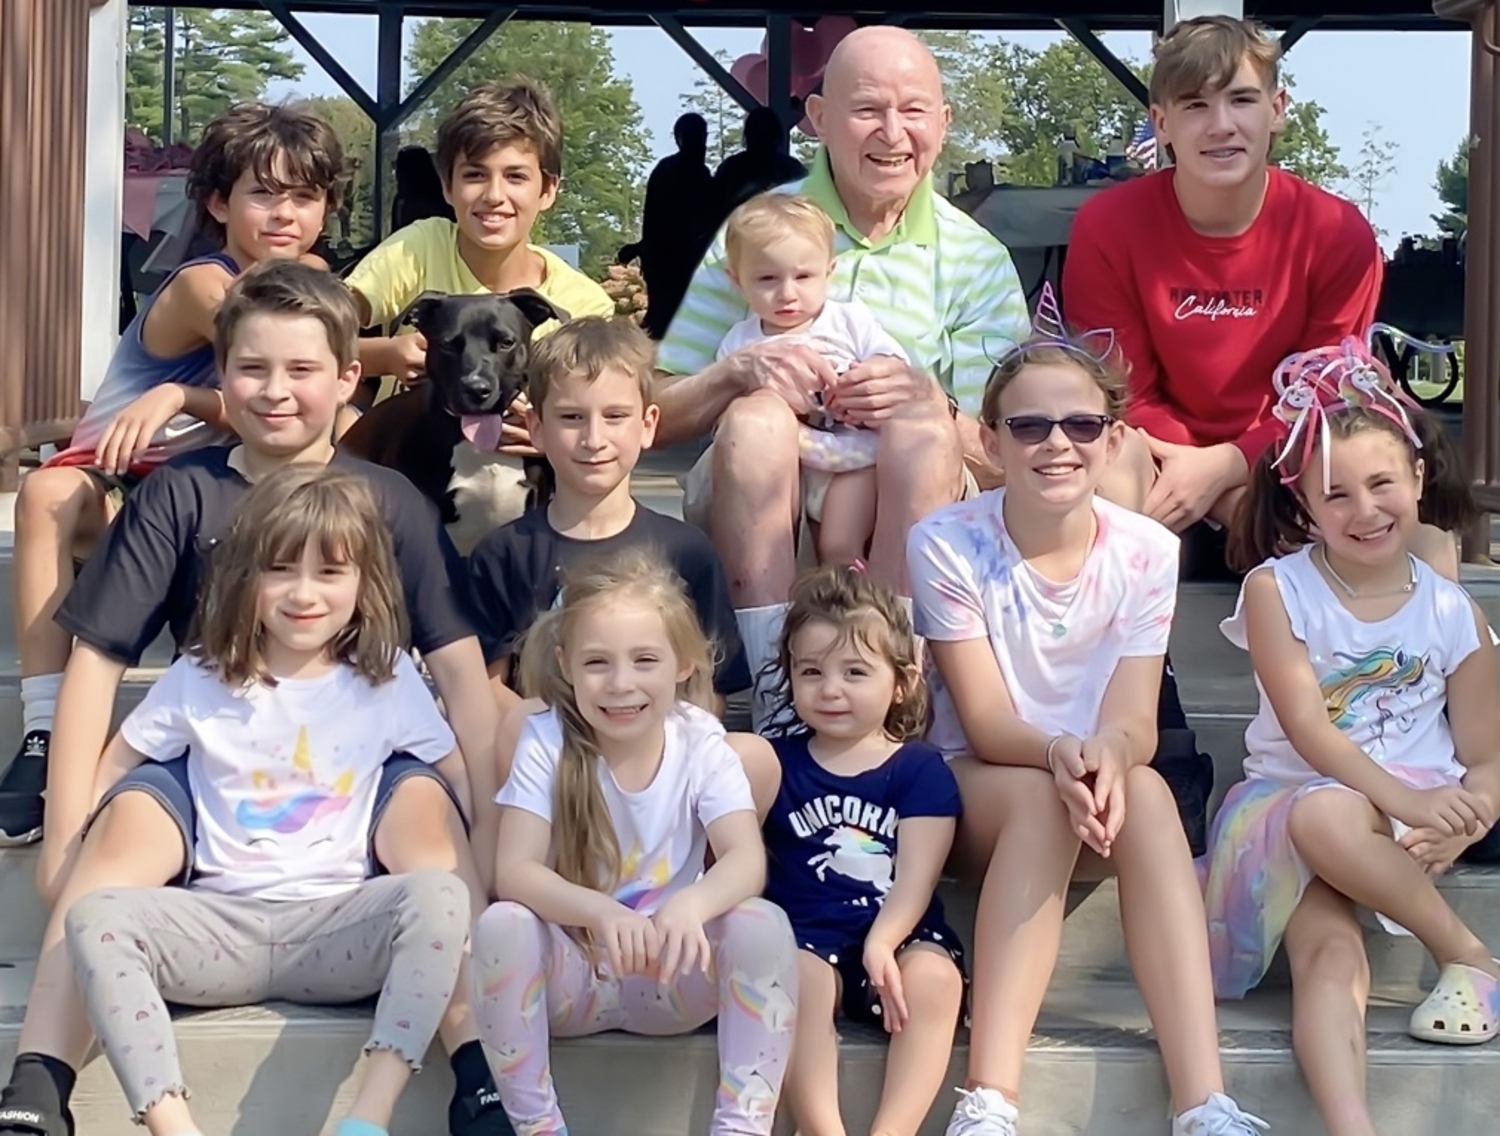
(606, 917)
(1373, 758)
(862, 823)
(289, 703)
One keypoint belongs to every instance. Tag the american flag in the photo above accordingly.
(1142, 146)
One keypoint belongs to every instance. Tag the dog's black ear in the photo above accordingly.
(419, 310)
(535, 307)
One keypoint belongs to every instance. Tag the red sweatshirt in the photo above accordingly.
(1203, 321)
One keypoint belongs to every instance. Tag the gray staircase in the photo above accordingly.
(1092, 1068)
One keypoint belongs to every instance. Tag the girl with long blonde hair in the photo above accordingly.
(606, 917)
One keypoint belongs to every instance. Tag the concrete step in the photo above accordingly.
(1092, 1070)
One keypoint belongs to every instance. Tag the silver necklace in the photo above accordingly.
(1354, 595)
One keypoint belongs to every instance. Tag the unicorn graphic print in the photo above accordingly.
(857, 855)
(1373, 687)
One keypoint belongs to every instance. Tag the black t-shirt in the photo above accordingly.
(515, 574)
(148, 570)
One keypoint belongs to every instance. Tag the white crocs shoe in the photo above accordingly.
(1218, 1116)
(983, 1112)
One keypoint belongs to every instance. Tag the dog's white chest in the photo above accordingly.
(488, 490)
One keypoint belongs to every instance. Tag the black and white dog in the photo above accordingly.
(444, 434)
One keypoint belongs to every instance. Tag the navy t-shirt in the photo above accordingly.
(831, 840)
(515, 574)
(153, 560)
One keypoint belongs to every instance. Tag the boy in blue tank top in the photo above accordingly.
(263, 179)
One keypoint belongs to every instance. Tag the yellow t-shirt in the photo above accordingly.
(424, 257)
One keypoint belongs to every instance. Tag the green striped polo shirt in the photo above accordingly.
(943, 286)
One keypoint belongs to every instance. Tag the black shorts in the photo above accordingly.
(861, 1001)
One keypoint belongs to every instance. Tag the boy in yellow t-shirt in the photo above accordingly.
(499, 154)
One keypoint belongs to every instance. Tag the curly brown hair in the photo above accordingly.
(868, 615)
(286, 147)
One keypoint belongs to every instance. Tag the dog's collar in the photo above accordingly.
(483, 431)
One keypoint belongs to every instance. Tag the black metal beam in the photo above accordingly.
(310, 43)
(1101, 15)
(704, 59)
(455, 59)
(1108, 59)
(779, 68)
(1294, 33)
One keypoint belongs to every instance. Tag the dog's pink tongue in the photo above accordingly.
(483, 431)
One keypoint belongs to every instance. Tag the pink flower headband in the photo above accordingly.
(1311, 385)
(1048, 330)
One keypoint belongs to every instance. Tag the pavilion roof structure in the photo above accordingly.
(980, 15)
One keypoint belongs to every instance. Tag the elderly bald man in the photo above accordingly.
(941, 285)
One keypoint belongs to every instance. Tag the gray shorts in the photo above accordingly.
(169, 784)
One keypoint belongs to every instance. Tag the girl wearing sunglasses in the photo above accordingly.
(1046, 610)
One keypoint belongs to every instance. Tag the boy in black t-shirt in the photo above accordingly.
(285, 344)
(592, 416)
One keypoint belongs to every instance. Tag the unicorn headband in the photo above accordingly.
(1048, 330)
(1312, 384)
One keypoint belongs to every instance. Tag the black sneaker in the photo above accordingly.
(478, 1113)
(21, 792)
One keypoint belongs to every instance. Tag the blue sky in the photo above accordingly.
(1412, 87)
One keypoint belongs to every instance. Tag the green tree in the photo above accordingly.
(1370, 172)
(222, 58)
(605, 151)
(1304, 147)
(356, 132)
(724, 116)
(1016, 102)
(1013, 105)
(1452, 187)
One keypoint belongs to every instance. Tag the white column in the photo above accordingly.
(104, 190)
(1176, 11)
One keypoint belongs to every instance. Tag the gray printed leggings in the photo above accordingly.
(133, 949)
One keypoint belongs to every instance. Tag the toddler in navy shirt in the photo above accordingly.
(862, 823)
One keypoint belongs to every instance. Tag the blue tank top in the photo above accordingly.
(133, 371)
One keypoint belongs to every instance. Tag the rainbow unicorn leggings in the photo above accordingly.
(399, 936)
(531, 980)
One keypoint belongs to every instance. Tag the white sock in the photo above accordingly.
(760, 631)
(39, 701)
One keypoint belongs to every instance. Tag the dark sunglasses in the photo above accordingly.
(1032, 429)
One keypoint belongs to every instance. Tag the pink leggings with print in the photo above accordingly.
(531, 981)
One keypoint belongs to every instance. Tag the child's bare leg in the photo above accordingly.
(134, 842)
(169, 1117)
(1347, 843)
(848, 517)
(1015, 831)
(1330, 989)
(1128, 479)
(59, 513)
(812, 1076)
(918, 1060)
(386, 1077)
(1166, 935)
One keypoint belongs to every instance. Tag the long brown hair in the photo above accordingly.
(1273, 518)
(284, 512)
(869, 616)
(587, 847)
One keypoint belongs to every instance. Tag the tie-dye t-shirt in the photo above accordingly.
(1057, 644)
(1385, 682)
(661, 829)
(284, 776)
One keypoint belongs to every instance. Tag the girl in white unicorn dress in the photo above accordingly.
(1373, 758)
